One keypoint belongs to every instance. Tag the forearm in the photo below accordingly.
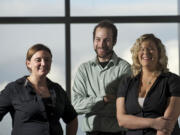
(72, 127)
(173, 111)
(134, 122)
(87, 104)
(82, 98)
(163, 133)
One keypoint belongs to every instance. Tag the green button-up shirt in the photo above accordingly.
(91, 83)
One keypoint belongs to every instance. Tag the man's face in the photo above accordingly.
(103, 43)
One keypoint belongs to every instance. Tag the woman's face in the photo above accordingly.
(40, 63)
(148, 55)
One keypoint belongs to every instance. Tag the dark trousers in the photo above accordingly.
(105, 133)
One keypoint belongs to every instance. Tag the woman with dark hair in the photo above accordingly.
(35, 103)
(148, 101)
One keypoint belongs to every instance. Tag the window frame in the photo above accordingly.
(67, 20)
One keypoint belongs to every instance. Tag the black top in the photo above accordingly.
(30, 114)
(155, 103)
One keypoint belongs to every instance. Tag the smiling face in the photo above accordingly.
(148, 55)
(40, 63)
(103, 43)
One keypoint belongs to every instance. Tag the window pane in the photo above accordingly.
(15, 41)
(123, 7)
(32, 8)
(82, 43)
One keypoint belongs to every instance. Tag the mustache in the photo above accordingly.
(108, 52)
(104, 48)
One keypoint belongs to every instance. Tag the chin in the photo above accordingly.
(148, 66)
(102, 55)
(43, 74)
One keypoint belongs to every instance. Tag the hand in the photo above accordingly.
(164, 125)
(109, 98)
(163, 133)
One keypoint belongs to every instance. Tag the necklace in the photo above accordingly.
(150, 81)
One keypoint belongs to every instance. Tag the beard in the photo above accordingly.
(103, 52)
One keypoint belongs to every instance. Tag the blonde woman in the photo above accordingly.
(148, 102)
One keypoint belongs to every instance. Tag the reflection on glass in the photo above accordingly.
(123, 7)
(32, 8)
(15, 40)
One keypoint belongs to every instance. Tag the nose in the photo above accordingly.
(43, 62)
(102, 43)
(146, 51)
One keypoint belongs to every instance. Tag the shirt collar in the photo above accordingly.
(114, 60)
(26, 83)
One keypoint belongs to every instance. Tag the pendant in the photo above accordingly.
(149, 83)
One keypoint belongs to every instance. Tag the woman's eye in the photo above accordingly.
(97, 39)
(38, 60)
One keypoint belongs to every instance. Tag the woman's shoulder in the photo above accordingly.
(19, 81)
(171, 79)
(13, 86)
(173, 83)
(56, 86)
(171, 76)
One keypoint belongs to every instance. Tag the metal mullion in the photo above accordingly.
(91, 19)
(178, 6)
(68, 48)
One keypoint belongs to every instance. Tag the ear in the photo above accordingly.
(114, 43)
(28, 64)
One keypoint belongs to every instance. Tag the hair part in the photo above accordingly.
(162, 60)
(109, 25)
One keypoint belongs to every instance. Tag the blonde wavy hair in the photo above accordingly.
(163, 59)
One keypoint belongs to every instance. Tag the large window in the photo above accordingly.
(66, 26)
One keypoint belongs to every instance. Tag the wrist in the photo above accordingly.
(151, 123)
(104, 99)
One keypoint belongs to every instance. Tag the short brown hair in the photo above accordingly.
(109, 25)
(35, 48)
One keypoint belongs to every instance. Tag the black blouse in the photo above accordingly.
(32, 115)
(155, 103)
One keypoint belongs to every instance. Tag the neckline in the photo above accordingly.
(150, 90)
